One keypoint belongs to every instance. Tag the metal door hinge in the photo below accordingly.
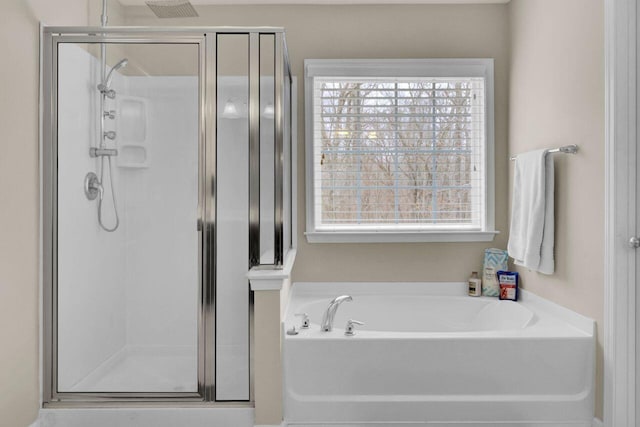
(634, 242)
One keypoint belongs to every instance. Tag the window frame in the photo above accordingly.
(368, 68)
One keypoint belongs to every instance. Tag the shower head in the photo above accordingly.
(172, 8)
(104, 86)
(107, 82)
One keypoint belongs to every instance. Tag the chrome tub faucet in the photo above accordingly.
(330, 313)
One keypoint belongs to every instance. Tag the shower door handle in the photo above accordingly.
(634, 242)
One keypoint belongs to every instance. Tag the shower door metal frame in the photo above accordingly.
(52, 38)
(206, 40)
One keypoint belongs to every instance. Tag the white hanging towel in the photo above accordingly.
(532, 222)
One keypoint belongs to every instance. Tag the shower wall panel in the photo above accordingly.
(160, 228)
(91, 290)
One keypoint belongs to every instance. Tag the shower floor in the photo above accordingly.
(165, 369)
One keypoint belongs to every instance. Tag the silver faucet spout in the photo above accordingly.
(330, 313)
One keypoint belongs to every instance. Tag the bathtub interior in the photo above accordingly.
(423, 313)
(435, 308)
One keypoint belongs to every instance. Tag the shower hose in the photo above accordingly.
(113, 196)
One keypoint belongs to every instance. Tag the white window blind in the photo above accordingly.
(397, 153)
(401, 153)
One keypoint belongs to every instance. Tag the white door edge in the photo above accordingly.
(620, 214)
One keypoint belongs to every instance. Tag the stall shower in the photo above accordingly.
(167, 178)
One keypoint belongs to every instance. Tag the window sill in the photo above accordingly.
(399, 237)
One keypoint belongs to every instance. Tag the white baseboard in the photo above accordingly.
(597, 422)
(445, 424)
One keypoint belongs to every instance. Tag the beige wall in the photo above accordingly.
(268, 363)
(19, 34)
(557, 98)
(391, 31)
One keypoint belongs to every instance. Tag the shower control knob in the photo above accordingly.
(634, 242)
(92, 186)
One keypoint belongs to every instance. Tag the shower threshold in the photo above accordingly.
(146, 417)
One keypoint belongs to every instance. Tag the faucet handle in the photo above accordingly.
(305, 320)
(350, 329)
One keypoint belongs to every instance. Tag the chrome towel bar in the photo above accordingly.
(568, 149)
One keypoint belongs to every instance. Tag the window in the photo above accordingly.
(399, 150)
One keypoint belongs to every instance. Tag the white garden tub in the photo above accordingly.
(430, 355)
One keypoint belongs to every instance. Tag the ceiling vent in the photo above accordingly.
(172, 8)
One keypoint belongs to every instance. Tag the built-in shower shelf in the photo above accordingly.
(133, 156)
(132, 132)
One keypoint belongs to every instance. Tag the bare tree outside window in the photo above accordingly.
(399, 152)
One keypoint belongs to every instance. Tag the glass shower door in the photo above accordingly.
(128, 274)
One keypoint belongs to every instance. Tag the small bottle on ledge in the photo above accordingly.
(475, 285)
